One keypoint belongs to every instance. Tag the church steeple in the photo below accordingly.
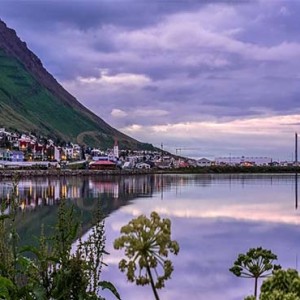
(116, 149)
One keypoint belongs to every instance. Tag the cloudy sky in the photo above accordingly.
(215, 78)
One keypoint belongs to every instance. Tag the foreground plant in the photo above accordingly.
(282, 285)
(147, 243)
(55, 271)
(256, 263)
(11, 262)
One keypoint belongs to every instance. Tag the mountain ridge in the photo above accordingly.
(25, 86)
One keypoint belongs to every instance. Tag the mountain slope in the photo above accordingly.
(32, 100)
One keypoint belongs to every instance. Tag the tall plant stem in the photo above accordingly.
(152, 282)
(255, 287)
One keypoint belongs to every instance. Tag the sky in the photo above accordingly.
(205, 78)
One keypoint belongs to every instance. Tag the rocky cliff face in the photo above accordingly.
(87, 126)
(12, 45)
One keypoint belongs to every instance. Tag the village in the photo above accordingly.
(23, 150)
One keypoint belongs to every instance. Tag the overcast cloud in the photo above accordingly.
(219, 76)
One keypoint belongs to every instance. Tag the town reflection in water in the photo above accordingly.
(42, 191)
(38, 192)
(39, 198)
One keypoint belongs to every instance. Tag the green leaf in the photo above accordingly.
(3, 217)
(6, 286)
(25, 262)
(31, 249)
(39, 293)
(108, 285)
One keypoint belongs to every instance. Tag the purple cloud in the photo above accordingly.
(211, 61)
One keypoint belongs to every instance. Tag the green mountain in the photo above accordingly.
(31, 100)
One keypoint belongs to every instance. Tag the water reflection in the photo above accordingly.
(115, 191)
(296, 191)
(39, 199)
(214, 217)
(47, 191)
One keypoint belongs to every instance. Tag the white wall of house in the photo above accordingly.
(204, 162)
(56, 154)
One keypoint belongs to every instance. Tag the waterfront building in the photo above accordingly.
(142, 165)
(11, 155)
(243, 160)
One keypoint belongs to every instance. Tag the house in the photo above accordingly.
(142, 166)
(16, 156)
(163, 165)
(192, 163)
(14, 140)
(247, 164)
(183, 164)
(11, 155)
(204, 162)
(77, 153)
(4, 138)
(38, 151)
(127, 165)
(151, 163)
(96, 152)
(68, 152)
(25, 142)
(4, 154)
(237, 161)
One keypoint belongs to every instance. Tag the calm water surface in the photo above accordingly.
(214, 217)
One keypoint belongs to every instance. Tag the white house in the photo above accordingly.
(204, 162)
(69, 151)
(127, 165)
(142, 166)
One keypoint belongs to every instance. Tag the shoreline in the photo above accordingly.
(204, 170)
(67, 173)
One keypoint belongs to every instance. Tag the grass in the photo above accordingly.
(25, 105)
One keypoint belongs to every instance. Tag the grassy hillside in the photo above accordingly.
(26, 105)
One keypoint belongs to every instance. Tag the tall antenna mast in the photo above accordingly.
(296, 148)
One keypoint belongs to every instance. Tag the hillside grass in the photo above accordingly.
(27, 106)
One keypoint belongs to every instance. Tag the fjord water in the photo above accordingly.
(214, 218)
